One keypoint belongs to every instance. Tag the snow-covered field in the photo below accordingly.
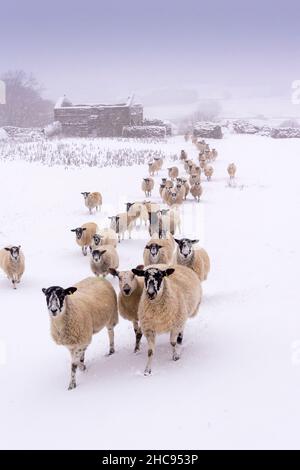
(237, 383)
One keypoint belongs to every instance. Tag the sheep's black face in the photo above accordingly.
(79, 231)
(96, 255)
(85, 194)
(153, 279)
(55, 298)
(97, 239)
(14, 252)
(154, 249)
(128, 205)
(164, 180)
(185, 246)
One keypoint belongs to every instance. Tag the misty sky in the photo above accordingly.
(94, 49)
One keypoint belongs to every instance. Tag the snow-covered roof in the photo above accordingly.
(64, 102)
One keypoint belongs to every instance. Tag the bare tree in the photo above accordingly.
(25, 106)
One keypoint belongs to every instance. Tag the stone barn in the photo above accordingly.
(98, 120)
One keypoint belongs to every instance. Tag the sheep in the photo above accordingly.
(214, 154)
(105, 236)
(231, 169)
(138, 210)
(84, 236)
(103, 259)
(196, 259)
(121, 223)
(196, 191)
(202, 161)
(208, 171)
(170, 219)
(131, 288)
(166, 194)
(155, 223)
(183, 155)
(78, 312)
(194, 177)
(173, 172)
(186, 187)
(159, 162)
(153, 168)
(201, 145)
(159, 251)
(187, 164)
(171, 295)
(92, 200)
(207, 154)
(180, 189)
(12, 262)
(175, 197)
(147, 186)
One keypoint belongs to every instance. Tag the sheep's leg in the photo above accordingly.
(81, 364)
(14, 283)
(180, 337)
(150, 336)
(138, 336)
(84, 250)
(111, 336)
(90, 210)
(173, 340)
(75, 356)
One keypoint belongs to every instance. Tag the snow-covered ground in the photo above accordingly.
(237, 383)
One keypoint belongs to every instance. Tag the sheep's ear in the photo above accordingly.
(110, 217)
(195, 241)
(70, 290)
(147, 247)
(7, 249)
(73, 229)
(44, 290)
(169, 271)
(177, 241)
(138, 272)
(140, 267)
(113, 272)
(83, 229)
(102, 252)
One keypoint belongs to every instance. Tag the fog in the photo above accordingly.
(98, 50)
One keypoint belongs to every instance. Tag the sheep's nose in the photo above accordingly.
(127, 290)
(54, 311)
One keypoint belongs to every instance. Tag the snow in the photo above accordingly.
(237, 382)
(3, 135)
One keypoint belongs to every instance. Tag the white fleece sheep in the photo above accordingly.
(196, 259)
(122, 223)
(12, 261)
(170, 296)
(147, 186)
(131, 288)
(159, 250)
(78, 312)
(92, 200)
(231, 169)
(103, 259)
(196, 191)
(84, 236)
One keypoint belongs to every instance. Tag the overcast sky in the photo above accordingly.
(92, 49)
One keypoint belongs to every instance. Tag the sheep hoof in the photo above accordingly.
(147, 372)
(82, 367)
(176, 357)
(136, 349)
(111, 351)
(72, 385)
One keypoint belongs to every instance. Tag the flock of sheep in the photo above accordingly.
(157, 296)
